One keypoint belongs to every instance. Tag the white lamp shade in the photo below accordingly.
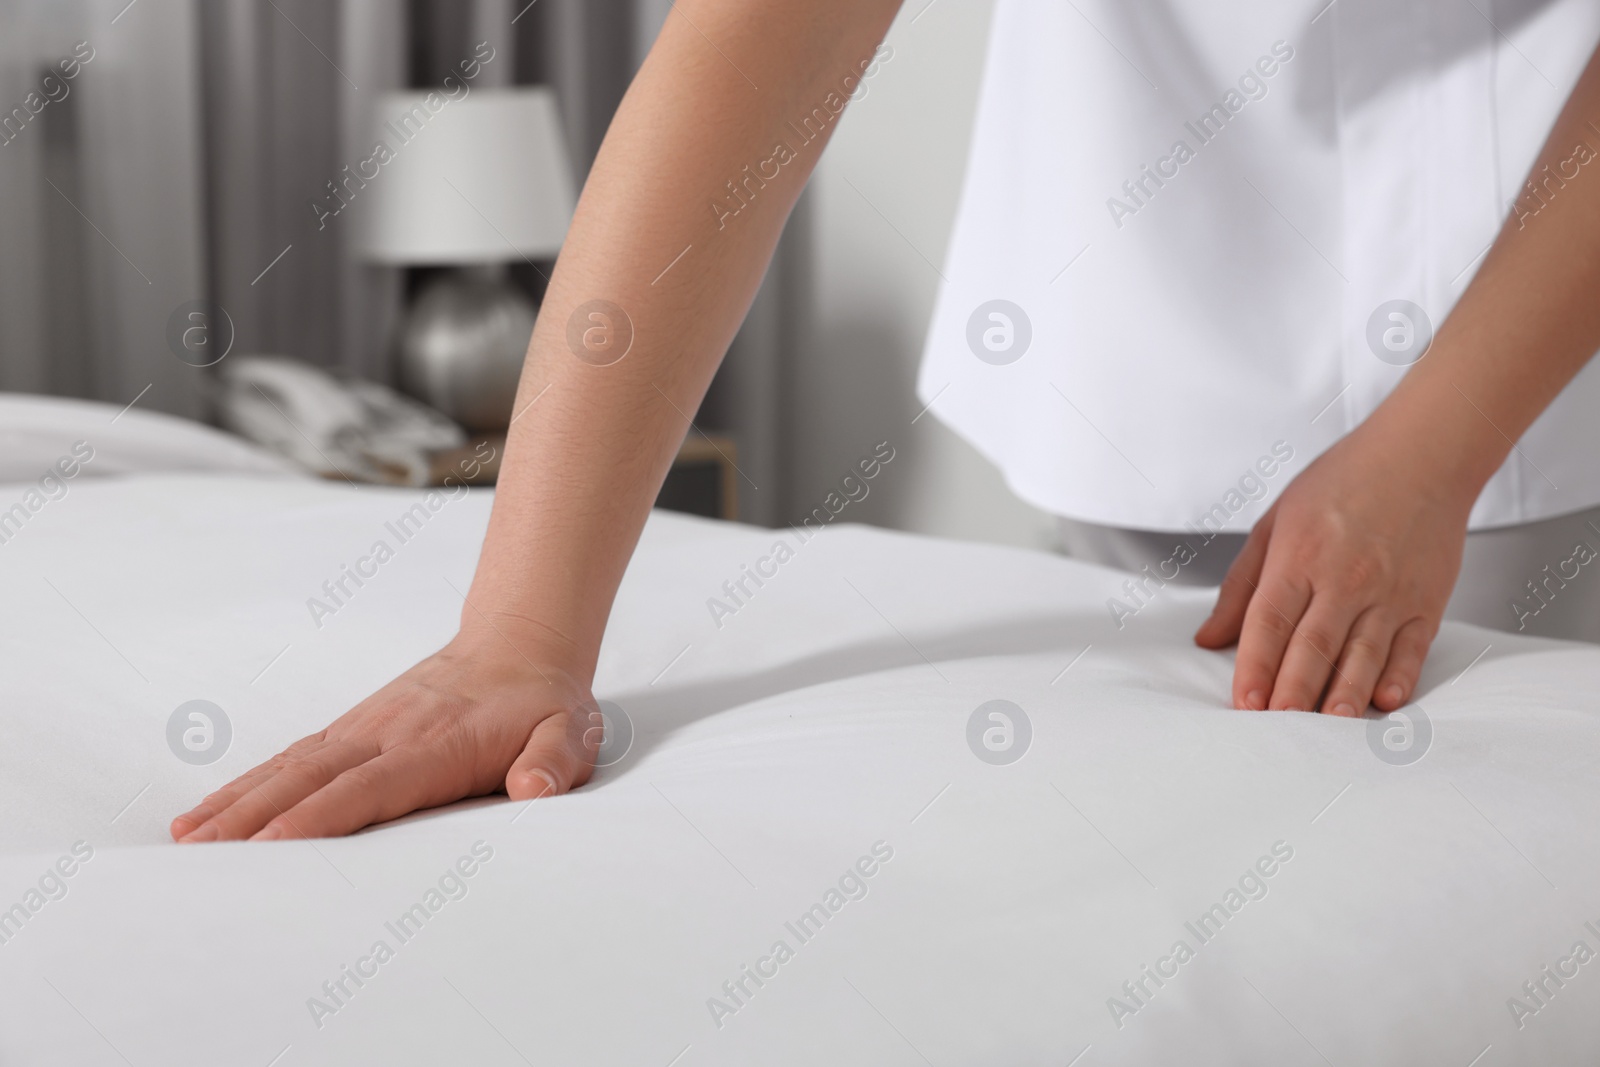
(479, 179)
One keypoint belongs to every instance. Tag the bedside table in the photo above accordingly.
(703, 480)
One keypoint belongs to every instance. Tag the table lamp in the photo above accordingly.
(471, 182)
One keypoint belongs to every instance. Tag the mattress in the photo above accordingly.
(902, 801)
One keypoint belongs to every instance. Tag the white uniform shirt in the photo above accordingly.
(1198, 215)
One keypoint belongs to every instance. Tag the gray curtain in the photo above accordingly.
(285, 83)
(100, 200)
(183, 166)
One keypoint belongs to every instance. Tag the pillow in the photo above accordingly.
(44, 434)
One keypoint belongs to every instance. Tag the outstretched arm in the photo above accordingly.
(656, 253)
(1342, 584)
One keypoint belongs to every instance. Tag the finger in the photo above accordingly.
(1269, 622)
(296, 779)
(559, 756)
(393, 784)
(216, 801)
(1312, 656)
(1223, 625)
(1366, 650)
(1400, 674)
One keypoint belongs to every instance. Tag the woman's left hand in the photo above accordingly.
(1338, 592)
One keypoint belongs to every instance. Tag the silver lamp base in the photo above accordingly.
(462, 347)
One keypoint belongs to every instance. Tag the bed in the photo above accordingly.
(913, 802)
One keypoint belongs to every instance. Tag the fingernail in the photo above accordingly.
(1346, 710)
(1394, 694)
(1255, 700)
(188, 823)
(271, 833)
(549, 782)
(208, 832)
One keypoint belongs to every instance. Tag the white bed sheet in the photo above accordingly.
(771, 754)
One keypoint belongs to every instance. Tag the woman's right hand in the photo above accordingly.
(667, 254)
(475, 717)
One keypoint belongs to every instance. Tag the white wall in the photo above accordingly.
(881, 206)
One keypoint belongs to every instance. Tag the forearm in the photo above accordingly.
(1526, 325)
(591, 444)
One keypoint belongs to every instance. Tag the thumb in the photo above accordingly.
(555, 758)
(1223, 625)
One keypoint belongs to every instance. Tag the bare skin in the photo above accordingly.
(1353, 565)
(1340, 588)
(583, 468)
